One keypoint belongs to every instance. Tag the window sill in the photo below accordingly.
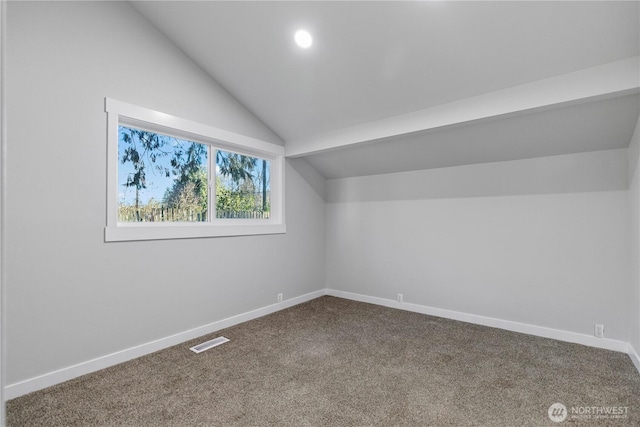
(148, 231)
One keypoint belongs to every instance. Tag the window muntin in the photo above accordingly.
(261, 195)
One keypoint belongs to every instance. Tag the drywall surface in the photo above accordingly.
(547, 257)
(2, 203)
(310, 174)
(571, 173)
(634, 214)
(71, 297)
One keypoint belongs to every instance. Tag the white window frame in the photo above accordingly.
(125, 114)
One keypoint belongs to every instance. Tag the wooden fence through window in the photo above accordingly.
(166, 214)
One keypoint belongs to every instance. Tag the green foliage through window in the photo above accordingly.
(242, 186)
(166, 179)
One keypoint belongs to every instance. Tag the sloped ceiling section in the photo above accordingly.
(394, 86)
(598, 125)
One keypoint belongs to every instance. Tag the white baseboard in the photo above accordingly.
(52, 378)
(56, 377)
(633, 354)
(573, 337)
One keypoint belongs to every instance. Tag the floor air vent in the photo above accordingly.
(209, 344)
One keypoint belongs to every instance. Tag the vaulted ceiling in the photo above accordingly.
(394, 86)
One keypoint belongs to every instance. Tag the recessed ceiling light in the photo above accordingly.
(303, 39)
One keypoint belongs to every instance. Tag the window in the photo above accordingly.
(172, 178)
(161, 178)
(167, 179)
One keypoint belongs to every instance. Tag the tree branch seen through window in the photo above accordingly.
(166, 179)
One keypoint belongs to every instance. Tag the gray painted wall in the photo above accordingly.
(634, 213)
(3, 40)
(539, 241)
(584, 172)
(70, 296)
(523, 241)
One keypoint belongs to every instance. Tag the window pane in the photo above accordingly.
(242, 186)
(161, 178)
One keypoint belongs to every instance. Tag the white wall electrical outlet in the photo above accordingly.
(599, 330)
(399, 298)
(279, 297)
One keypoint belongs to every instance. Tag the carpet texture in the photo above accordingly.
(334, 362)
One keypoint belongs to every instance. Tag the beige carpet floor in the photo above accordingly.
(334, 362)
